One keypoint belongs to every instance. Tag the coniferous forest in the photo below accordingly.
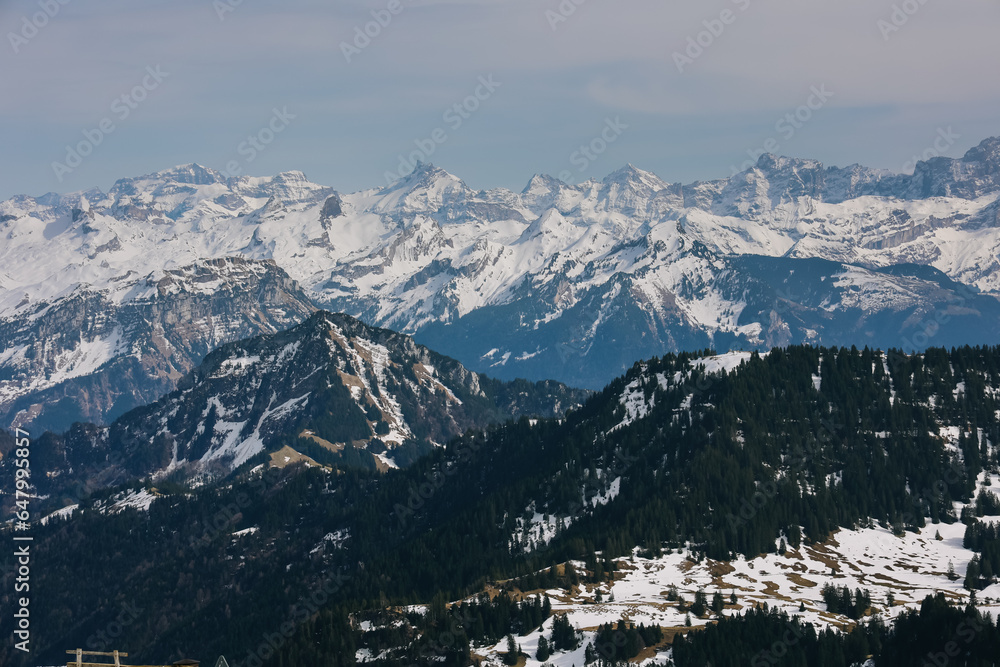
(790, 446)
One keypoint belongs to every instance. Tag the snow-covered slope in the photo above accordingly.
(557, 276)
(330, 383)
(91, 355)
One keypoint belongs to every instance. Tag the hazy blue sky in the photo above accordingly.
(225, 66)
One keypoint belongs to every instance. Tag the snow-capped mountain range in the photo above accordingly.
(571, 282)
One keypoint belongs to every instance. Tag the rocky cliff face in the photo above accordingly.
(94, 354)
(331, 385)
(572, 282)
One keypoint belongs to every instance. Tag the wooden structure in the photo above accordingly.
(117, 655)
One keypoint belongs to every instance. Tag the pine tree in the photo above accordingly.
(700, 604)
(543, 649)
(510, 658)
(972, 574)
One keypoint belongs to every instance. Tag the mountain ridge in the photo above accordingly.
(764, 478)
(566, 282)
(331, 385)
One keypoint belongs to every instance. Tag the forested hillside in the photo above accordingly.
(717, 456)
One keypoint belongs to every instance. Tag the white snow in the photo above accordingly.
(609, 494)
(140, 500)
(724, 362)
(380, 254)
(63, 513)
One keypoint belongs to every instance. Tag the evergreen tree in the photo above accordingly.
(543, 649)
(510, 657)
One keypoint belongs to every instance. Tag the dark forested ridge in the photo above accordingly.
(358, 390)
(792, 445)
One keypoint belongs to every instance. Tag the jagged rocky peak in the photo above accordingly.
(426, 189)
(782, 170)
(775, 179)
(96, 353)
(635, 178)
(987, 153)
(332, 208)
(216, 275)
(187, 174)
(542, 192)
(290, 187)
(192, 174)
(542, 184)
(631, 191)
(332, 381)
(974, 175)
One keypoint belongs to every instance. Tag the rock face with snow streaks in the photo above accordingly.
(572, 282)
(331, 384)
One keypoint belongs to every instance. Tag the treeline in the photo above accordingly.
(936, 634)
(446, 635)
(616, 644)
(841, 601)
(729, 464)
(984, 568)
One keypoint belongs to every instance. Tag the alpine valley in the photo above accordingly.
(752, 421)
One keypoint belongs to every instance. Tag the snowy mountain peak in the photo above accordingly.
(988, 151)
(186, 174)
(424, 190)
(770, 163)
(542, 184)
(688, 265)
(290, 187)
(424, 174)
(631, 175)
